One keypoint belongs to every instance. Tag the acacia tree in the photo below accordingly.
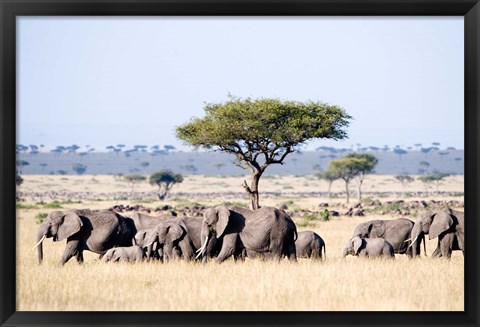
(262, 132)
(164, 179)
(404, 180)
(353, 166)
(133, 179)
(329, 176)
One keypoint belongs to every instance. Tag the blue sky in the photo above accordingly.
(102, 81)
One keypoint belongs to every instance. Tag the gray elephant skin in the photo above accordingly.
(141, 239)
(445, 224)
(369, 248)
(130, 254)
(85, 231)
(396, 232)
(309, 245)
(267, 231)
(178, 237)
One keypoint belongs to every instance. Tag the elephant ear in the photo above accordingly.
(377, 229)
(357, 244)
(223, 217)
(70, 225)
(175, 232)
(441, 222)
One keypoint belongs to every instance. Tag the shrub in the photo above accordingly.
(325, 215)
(40, 217)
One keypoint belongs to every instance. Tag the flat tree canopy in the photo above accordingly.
(261, 132)
(164, 179)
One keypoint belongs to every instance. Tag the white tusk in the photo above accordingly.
(149, 244)
(407, 240)
(412, 242)
(39, 242)
(202, 248)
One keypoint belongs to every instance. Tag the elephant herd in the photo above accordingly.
(225, 232)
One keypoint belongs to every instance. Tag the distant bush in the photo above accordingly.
(40, 217)
(53, 205)
(325, 215)
(25, 206)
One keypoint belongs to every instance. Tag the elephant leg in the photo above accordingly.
(80, 257)
(187, 250)
(437, 253)
(228, 247)
(71, 250)
(292, 252)
(446, 245)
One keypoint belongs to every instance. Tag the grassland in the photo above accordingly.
(335, 284)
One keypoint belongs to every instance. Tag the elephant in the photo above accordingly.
(395, 231)
(141, 239)
(445, 224)
(309, 245)
(369, 248)
(267, 231)
(131, 253)
(173, 238)
(85, 230)
(144, 221)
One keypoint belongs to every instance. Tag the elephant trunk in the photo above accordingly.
(345, 252)
(204, 237)
(416, 237)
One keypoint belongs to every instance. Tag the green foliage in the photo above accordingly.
(263, 124)
(404, 179)
(325, 215)
(20, 205)
(352, 165)
(53, 205)
(40, 217)
(435, 177)
(328, 175)
(165, 177)
(134, 178)
(79, 168)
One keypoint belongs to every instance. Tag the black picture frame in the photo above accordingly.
(10, 9)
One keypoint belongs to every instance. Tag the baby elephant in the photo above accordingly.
(131, 253)
(369, 248)
(309, 245)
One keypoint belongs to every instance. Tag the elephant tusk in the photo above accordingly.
(202, 248)
(39, 242)
(413, 242)
(407, 240)
(149, 244)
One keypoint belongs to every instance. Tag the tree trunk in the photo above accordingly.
(252, 191)
(346, 189)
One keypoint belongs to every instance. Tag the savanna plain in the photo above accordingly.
(333, 284)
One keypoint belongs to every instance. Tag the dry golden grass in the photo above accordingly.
(334, 284)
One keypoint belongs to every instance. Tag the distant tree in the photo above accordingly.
(219, 165)
(134, 179)
(79, 168)
(262, 132)
(144, 165)
(164, 179)
(436, 144)
(110, 148)
(435, 178)
(424, 164)
(62, 172)
(82, 154)
(399, 152)
(18, 179)
(19, 148)
(190, 168)
(169, 148)
(43, 165)
(353, 166)
(20, 164)
(451, 148)
(426, 150)
(457, 160)
(404, 180)
(443, 154)
(330, 176)
(418, 145)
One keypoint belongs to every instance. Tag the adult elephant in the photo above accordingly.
(445, 224)
(396, 232)
(85, 230)
(144, 221)
(266, 231)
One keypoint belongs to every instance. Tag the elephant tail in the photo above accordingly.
(324, 251)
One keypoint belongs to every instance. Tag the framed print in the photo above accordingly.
(224, 152)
